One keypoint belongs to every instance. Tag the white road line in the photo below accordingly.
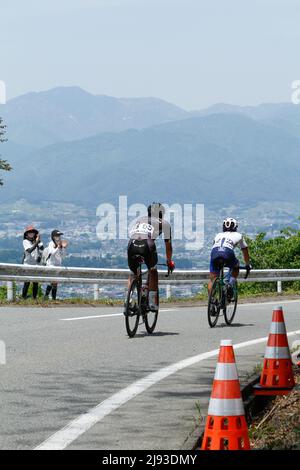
(182, 307)
(109, 315)
(274, 303)
(64, 437)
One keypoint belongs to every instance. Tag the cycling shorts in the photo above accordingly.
(220, 256)
(145, 249)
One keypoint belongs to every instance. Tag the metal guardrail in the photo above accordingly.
(21, 273)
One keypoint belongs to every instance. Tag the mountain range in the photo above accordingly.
(67, 145)
(69, 113)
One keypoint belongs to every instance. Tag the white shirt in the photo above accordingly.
(31, 258)
(55, 255)
(229, 240)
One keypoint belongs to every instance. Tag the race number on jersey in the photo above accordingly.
(142, 229)
(229, 240)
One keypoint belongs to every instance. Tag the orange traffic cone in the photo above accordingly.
(277, 376)
(226, 427)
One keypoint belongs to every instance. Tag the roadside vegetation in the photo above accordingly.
(278, 426)
(280, 252)
(4, 165)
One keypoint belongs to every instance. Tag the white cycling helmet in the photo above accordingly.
(230, 225)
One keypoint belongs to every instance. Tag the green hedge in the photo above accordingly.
(280, 252)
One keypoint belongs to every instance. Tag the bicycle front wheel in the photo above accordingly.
(151, 319)
(214, 303)
(132, 310)
(230, 308)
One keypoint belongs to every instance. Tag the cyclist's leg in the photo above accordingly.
(151, 261)
(233, 264)
(214, 273)
(212, 277)
(132, 263)
(214, 269)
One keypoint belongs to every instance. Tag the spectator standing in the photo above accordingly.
(56, 251)
(33, 250)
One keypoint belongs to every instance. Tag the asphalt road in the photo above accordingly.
(105, 391)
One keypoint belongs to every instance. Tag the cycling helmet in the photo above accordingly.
(230, 225)
(156, 209)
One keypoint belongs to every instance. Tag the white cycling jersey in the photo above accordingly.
(229, 240)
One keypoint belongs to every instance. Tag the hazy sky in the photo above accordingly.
(193, 53)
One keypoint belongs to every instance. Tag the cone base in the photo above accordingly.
(277, 374)
(226, 433)
(271, 391)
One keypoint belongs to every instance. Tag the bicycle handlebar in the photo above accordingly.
(245, 268)
(169, 270)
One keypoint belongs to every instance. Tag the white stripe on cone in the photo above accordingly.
(226, 407)
(277, 328)
(274, 352)
(226, 342)
(226, 371)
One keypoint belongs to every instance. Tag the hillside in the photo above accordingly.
(67, 113)
(284, 116)
(218, 159)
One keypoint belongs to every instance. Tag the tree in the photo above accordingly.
(4, 165)
(280, 252)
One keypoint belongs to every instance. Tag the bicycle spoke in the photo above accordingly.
(151, 318)
(132, 313)
(214, 303)
(231, 306)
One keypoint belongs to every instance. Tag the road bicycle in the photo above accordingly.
(137, 304)
(223, 296)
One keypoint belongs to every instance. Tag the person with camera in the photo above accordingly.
(33, 251)
(55, 253)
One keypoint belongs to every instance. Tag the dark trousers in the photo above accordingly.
(35, 288)
(53, 288)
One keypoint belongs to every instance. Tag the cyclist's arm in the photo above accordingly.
(169, 250)
(246, 256)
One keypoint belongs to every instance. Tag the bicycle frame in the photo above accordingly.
(224, 301)
(143, 309)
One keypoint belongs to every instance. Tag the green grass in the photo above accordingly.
(116, 302)
(73, 301)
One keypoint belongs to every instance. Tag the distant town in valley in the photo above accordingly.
(86, 250)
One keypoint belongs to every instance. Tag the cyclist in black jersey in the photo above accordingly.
(142, 244)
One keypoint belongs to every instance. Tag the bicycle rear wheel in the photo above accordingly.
(214, 303)
(151, 319)
(132, 310)
(230, 308)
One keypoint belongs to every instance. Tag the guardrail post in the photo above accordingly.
(279, 287)
(168, 291)
(96, 291)
(10, 291)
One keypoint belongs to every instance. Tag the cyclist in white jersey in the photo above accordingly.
(223, 252)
